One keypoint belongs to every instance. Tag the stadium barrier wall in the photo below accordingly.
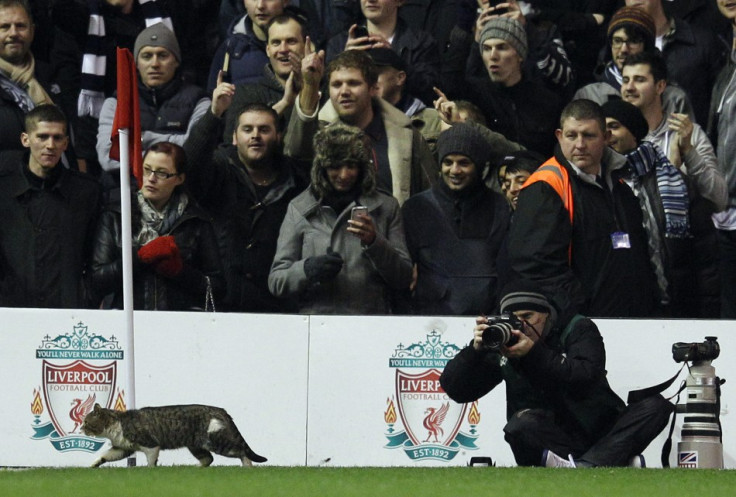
(303, 390)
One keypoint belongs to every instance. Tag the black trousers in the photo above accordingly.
(530, 431)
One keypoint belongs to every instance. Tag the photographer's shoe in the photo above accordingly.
(638, 461)
(552, 460)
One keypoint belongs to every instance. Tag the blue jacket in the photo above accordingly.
(247, 55)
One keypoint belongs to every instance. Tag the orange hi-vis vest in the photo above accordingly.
(556, 176)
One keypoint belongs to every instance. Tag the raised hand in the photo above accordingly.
(447, 109)
(313, 65)
(357, 40)
(313, 68)
(222, 96)
(514, 11)
(683, 127)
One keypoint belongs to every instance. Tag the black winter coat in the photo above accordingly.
(45, 234)
(601, 281)
(691, 263)
(168, 108)
(195, 238)
(526, 113)
(454, 242)
(694, 58)
(568, 379)
(247, 218)
(12, 116)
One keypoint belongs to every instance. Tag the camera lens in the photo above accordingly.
(497, 335)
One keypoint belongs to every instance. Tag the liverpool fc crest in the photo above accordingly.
(431, 422)
(78, 370)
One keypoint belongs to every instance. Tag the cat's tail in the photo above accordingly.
(253, 456)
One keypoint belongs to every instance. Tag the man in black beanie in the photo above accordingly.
(560, 408)
(626, 124)
(687, 285)
(454, 230)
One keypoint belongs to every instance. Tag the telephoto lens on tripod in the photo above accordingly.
(701, 440)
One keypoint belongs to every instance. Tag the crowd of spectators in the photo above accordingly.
(581, 144)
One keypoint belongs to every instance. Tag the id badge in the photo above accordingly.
(620, 240)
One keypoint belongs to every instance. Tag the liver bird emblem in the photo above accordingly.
(80, 410)
(434, 419)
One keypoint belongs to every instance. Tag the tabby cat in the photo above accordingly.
(199, 428)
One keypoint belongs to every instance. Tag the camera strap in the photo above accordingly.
(637, 395)
(667, 447)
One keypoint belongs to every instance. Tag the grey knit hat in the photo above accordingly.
(507, 29)
(464, 139)
(157, 35)
(524, 295)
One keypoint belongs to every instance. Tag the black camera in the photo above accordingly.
(499, 329)
(704, 351)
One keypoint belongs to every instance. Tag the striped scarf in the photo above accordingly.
(94, 61)
(671, 186)
(612, 76)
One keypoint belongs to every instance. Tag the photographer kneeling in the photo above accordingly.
(561, 412)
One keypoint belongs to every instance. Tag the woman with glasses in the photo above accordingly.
(176, 264)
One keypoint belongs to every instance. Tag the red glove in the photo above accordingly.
(163, 247)
(170, 267)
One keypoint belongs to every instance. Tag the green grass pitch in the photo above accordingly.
(233, 481)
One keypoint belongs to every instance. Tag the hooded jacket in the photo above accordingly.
(369, 273)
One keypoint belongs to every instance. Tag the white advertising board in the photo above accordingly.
(254, 366)
(303, 390)
(358, 366)
(54, 363)
(373, 381)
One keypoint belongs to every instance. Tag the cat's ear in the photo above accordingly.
(97, 407)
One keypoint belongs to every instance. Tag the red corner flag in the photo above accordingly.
(127, 114)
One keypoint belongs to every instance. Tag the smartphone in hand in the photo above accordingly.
(358, 211)
(360, 32)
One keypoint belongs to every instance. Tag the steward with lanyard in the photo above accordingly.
(577, 229)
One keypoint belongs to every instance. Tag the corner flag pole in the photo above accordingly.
(126, 148)
(127, 237)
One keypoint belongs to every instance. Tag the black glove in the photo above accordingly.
(323, 267)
